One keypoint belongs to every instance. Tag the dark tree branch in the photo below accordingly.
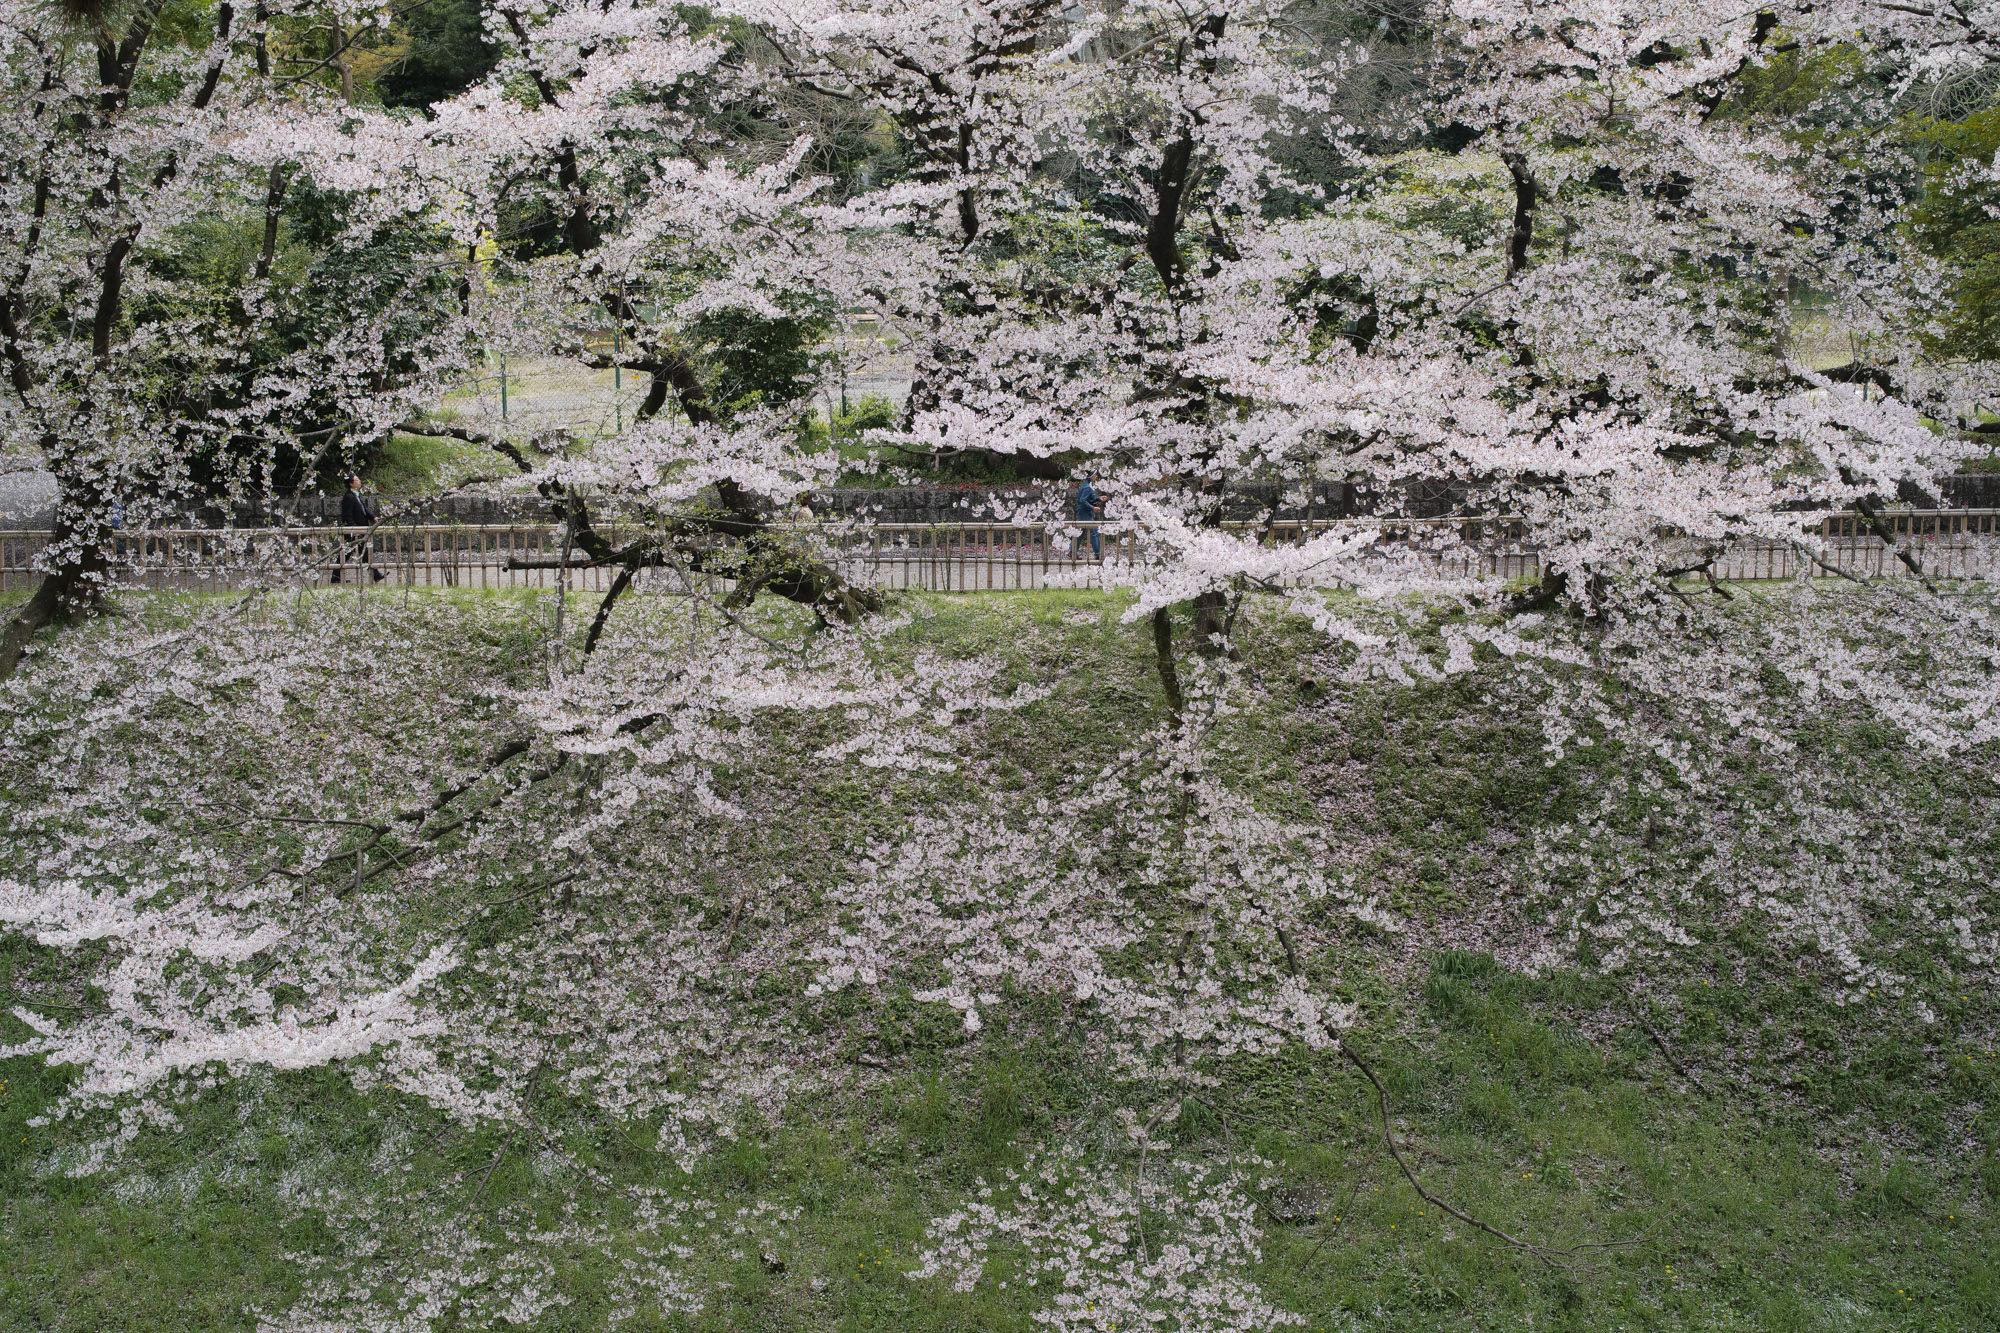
(1870, 512)
(493, 442)
(274, 207)
(618, 586)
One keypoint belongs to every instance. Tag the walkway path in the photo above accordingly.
(940, 557)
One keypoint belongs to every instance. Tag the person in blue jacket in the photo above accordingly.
(1088, 505)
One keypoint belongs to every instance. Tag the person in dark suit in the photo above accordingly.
(354, 514)
(353, 509)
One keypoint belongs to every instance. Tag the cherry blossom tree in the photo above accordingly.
(1583, 356)
(137, 136)
(1578, 317)
(1551, 283)
(656, 220)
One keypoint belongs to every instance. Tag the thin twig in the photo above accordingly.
(603, 617)
(539, 888)
(1139, 1200)
(681, 572)
(48, 1004)
(1477, 297)
(1672, 1060)
(498, 1158)
(1346, 1208)
(1835, 570)
(1887, 536)
(1548, 1254)
(501, 1156)
(735, 915)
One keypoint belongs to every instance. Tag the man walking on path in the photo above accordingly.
(353, 509)
(1088, 505)
(354, 514)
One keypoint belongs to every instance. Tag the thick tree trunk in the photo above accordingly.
(1210, 625)
(39, 611)
(70, 591)
(1526, 196)
(1163, 658)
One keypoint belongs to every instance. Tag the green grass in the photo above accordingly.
(1827, 1173)
(420, 465)
(1511, 1116)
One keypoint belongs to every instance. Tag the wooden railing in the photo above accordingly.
(954, 557)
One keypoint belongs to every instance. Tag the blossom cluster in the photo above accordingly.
(1170, 1248)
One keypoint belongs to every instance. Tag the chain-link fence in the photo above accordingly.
(523, 396)
(530, 397)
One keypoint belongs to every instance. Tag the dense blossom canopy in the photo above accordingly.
(1549, 261)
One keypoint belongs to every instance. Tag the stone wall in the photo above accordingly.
(472, 510)
(1973, 490)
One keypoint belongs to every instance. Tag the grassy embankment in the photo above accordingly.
(1817, 1176)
